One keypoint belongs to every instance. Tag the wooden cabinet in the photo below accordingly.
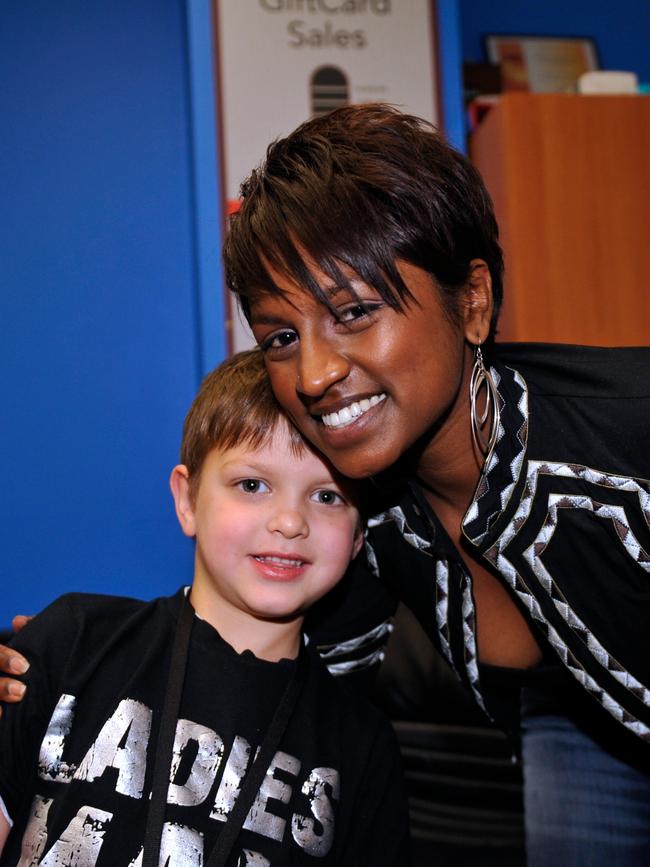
(570, 179)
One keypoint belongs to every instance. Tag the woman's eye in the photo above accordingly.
(279, 340)
(356, 311)
(327, 497)
(253, 486)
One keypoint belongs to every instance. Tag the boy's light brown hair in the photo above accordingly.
(235, 405)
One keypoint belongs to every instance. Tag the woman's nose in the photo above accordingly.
(321, 365)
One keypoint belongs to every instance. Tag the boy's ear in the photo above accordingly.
(358, 541)
(478, 302)
(179, 482)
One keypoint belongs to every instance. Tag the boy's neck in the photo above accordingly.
(266, 639)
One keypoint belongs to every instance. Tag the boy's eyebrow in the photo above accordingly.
(246, 465)
(261, 467)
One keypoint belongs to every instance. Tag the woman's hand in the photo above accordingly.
(12, 663)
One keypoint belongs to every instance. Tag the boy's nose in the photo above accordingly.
(321, 365)
(289, 522)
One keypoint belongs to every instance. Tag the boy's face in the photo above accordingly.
(274, 530)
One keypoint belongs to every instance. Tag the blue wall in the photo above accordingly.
(621, 29)
(100, 318)
(110, 295)
(111, 299)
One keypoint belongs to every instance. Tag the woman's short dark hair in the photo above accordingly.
(364, 186)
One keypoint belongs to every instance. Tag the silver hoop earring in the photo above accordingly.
(484, 441)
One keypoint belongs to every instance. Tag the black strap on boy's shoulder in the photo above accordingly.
(164, 747)
(165, 743)
(254, 777)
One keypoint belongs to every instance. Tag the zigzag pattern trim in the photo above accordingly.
(497, 557)
(474, 511)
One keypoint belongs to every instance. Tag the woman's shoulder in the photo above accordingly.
(581, 371)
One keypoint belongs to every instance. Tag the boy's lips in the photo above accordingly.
(281, 559)
(351, 412)
(280, 567)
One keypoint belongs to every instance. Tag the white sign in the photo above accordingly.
(283, 61)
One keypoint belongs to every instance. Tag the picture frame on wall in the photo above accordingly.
(280, 63)
(541, 64)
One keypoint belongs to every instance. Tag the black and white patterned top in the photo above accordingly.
(562, 514)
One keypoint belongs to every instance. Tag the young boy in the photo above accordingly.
(275, 528)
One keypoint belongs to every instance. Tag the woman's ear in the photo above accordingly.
(478, 302)
(179, 482)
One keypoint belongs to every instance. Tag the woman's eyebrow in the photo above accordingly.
(260, 317)
(267, 318)
(352, 289)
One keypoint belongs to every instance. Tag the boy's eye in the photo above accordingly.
(253, 486)
(327, 497)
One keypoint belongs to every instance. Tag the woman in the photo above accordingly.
(515, 510)
(516, 521)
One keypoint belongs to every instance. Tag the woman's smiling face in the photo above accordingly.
(365, 382)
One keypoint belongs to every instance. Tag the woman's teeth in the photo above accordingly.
(352, 412)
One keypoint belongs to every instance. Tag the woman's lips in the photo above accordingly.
(350, 413)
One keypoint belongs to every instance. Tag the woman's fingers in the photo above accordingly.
(11, 663)
(19, 621)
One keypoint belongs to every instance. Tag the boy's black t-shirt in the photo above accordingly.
(76, 755)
